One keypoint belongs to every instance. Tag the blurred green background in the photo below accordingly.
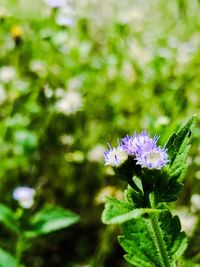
(78, 76)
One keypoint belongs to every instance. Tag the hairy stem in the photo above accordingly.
(160, 244)
(159, 240)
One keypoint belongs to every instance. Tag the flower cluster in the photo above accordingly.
(142, 148)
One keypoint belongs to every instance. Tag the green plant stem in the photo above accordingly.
(160, 244)
(19, 248)
(159, 240)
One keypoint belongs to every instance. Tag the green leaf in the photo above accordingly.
(138, 243)
(51, 219)
(178, 147)
(139, 240)
(170, 183)
(7, 260)
(7, 217)
(133, 197)
(169, 192)
(118, 211)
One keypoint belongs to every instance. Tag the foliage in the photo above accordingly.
(6, 259)
(45, 221)
(151, 236)
(51, 219)
(140, 233)
(132, 66)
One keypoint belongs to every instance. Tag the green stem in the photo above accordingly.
(160, 244)
(19, 248)
(159, 240)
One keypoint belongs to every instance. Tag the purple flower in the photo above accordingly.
(142, 148)
(152, 156)
(132, 144)
(149, 155)
(115, 156)
(144, 138)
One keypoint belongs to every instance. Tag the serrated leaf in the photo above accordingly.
(7, 217)
(138, 243)
(178, 147)
(51, 219)
(139, 240)
(118, 211)
(169, 192)
(170, 183)
(133, 197)
(7, 260)
(179, 246)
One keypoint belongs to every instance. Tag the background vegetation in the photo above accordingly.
(73, 79)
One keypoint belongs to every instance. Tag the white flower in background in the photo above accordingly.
(65, 17)
(48, 91)
(60, 39)
(185, 51)
(163, 120)
(25, 196)
(38, 66)
(96, 154)
(55, 3)
(134, 15)
(21, 86)
(60, 92)
(195, 202)
(3, 12)
(70, 102)
(3, 95)
(197, 175)
(188, 220)
(140, 53)
(74, 83)
(108, 191)
(67, 139)
(197, 160)
(7, 74)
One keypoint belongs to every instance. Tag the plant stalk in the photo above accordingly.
(160, 244)
(19, 248)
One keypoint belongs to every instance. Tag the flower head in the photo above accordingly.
(25, 196)
(115, 156)
(148, 154)
(152, 157)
